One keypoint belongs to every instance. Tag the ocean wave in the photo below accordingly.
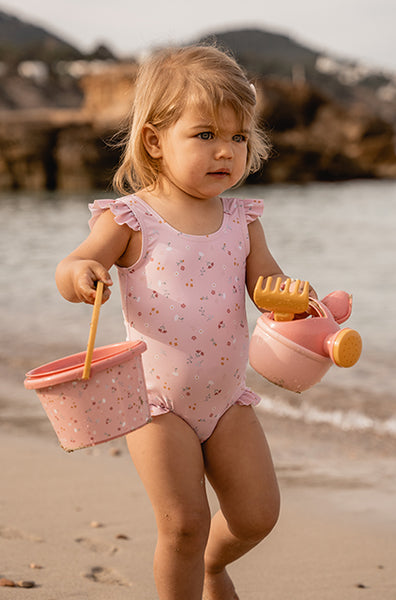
(349, 420)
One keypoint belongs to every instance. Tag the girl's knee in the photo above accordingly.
(256, 524)
(185, 531)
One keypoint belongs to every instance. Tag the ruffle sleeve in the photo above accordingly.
(253, 209)
(121, 209)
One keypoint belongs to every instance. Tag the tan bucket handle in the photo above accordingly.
(92, 330)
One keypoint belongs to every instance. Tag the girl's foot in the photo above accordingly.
(219, 586)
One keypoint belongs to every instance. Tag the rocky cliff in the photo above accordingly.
(313, 137)
(316, 138)
(68, 149)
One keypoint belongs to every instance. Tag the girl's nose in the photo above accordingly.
(224, 149)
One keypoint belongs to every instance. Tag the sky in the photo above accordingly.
(359, 30)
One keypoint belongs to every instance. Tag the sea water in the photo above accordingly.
(338, 236)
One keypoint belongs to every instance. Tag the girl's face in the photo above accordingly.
(200, 158)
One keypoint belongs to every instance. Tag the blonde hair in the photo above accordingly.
(166, 83)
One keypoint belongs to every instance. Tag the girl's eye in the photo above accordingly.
(239, 137)
(205, 135)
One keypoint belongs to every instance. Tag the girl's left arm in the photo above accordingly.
(260, 260)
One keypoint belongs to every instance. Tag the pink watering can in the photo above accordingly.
(295, 353)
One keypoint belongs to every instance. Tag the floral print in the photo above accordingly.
(185, 297)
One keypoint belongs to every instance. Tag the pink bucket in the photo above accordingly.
(110, 404)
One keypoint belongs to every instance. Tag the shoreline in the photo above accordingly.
(333, 405)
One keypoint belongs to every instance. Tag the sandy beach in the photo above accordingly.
(79, 525)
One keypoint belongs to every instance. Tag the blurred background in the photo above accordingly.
(326, 84)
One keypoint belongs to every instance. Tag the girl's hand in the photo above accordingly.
(85, 275)
(312, 294)
(76, 279)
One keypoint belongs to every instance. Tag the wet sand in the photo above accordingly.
(80, 526)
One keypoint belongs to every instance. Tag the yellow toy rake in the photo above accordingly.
(283, 301)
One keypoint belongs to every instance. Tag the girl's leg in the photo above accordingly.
(239, 466)
(168, 457)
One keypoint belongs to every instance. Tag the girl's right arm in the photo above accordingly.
(77, 274)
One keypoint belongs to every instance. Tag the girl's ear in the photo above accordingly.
(151, 140)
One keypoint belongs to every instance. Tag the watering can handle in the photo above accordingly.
(92, 330)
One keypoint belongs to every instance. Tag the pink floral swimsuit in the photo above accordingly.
(185, 297)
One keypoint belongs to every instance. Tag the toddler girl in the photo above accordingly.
(184, 255)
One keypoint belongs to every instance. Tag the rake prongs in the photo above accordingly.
(285, 303)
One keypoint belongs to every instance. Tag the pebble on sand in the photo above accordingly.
(115, 452)
(4, 582)
(96, 524)
(25, 584)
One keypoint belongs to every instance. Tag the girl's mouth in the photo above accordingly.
(220, 173)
